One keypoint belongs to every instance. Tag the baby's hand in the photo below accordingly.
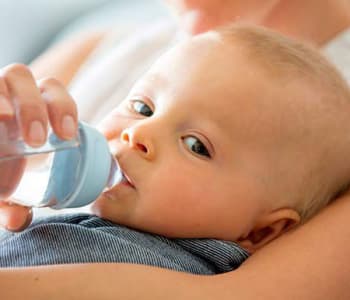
(36, 104)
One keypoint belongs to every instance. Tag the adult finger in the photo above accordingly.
(61, 107)
(30, 107)
(10, 170)
(14, 217)
(6, 109)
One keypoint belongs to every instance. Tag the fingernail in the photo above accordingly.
(5, 106)
(68, 126)
(37, 133)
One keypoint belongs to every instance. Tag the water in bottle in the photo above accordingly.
(59, 174)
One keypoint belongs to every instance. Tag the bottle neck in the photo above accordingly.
(115, 174)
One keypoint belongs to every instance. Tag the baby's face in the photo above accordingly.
(196, 138)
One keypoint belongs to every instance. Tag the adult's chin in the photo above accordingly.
(194, 22)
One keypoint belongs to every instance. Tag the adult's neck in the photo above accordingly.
(316, 21)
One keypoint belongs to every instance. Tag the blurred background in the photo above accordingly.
(28, 27)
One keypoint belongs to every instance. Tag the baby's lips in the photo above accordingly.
(125, 177)
(128, 180)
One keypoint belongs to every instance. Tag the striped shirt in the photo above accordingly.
(84, 238)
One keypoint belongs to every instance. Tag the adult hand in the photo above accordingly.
(27, 107)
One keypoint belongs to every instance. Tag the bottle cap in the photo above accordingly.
(94, 168)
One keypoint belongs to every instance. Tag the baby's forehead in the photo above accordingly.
(209, 76)
(215, 79)
(203, 65)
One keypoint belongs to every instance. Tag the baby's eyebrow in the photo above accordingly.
(156, 79)
(150, 84)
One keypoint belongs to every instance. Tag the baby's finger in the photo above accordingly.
(62, 109)
(31, 108)
(14, 217)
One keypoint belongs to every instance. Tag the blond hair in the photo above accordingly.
(283, 58)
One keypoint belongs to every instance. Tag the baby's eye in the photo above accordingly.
(195, 145)
(141, 108)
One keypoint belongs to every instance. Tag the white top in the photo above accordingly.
(338, 52)
(120, 60)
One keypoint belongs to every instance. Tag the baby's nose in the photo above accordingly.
(134, 141)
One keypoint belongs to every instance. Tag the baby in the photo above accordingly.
(234, 137)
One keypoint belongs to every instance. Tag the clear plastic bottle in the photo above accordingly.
(59, 174)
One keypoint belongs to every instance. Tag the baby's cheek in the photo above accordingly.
(163, 191)
(108, 127)
(177, 191)
(113, 125)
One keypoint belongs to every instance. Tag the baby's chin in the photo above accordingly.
(116, 212)
(112, 210)
(102, 208)
(123, 212)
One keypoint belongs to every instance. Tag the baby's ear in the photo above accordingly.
(269, 227)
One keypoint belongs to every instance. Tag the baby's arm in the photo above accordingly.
(308, 263)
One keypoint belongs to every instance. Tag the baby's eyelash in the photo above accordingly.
(195, 145)
(141, 108)
(192, 142)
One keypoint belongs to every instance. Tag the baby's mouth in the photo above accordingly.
(126, 180)
(118, 176)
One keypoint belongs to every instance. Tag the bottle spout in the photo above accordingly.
(115, 175)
